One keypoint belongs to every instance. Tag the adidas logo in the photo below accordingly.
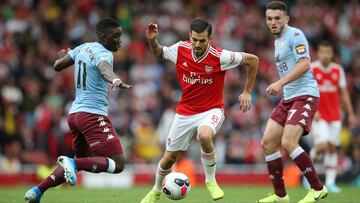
(185, 64)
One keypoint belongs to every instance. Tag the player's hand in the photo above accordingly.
(245, 101)
(118, 84)
(63, 52)
(352, 120)
(275, 88)
(317, 116)
(152, 31)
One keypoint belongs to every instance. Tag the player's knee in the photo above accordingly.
(289, 145)
(205, 136)
(266, 144)
(119, 163)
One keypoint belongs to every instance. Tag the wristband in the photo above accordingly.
(114, 80)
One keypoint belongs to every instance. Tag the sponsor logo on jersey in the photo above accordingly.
(300, 49)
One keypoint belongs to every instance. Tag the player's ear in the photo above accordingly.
(287, 18)
(190, 35)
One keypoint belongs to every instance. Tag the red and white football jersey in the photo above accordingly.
(329, 80)
(201, 80)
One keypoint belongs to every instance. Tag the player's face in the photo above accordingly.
(325, 54)
(112, 39)
(199, 42)
(276, 20)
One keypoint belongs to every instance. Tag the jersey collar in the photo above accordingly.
(203, 56)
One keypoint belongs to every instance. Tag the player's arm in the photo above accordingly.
(252, 63)
(300, 49)
(301, 67)
(230, 59)
(151, 34)
(64, 60)
(106, 72)
(345, 98)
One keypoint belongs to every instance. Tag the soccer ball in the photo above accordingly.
(176, 185)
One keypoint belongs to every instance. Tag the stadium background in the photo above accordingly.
(34, 100)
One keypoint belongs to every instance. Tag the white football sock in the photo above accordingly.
(208, 161)
(330, 163)
(159, 177)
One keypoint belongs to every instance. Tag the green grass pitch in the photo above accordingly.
(233, 194)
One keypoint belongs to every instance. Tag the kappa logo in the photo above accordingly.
(302, 121)
(102, 123)
(185, 64)
(307, 106)
(310, 99)
(106, 129)
(305, 114)
(110, 136)
(52, 177)
(100, 118)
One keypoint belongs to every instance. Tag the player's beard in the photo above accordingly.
(281, 29)
(200, 53)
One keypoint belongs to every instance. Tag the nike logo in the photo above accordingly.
(317, 197)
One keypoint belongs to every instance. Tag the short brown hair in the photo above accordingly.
(277, 5)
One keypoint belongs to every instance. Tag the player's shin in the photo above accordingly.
(208, 161)
(330, 163)
(56, 178)
(303, 161)
(275, 168)
(159, 177)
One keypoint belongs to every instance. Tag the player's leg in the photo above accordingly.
(208, 126)
(331, 157)
(164, 168)
(57, 176)
(102, 139)
(180, 134)
(270, 146)
(320, 132)
(298, 124)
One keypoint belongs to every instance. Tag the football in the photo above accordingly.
(176, 185)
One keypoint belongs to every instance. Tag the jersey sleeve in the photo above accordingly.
(170, 53)
(230, 59)
(300, 45)
(103, 56)
(73, 52)
(342, 78)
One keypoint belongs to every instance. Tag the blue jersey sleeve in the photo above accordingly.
(299, 46)
(73, 52)
(103, 56)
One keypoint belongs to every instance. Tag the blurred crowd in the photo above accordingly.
(34, 99)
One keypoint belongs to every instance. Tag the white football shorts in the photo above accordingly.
(324, 131)
(184, 127)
